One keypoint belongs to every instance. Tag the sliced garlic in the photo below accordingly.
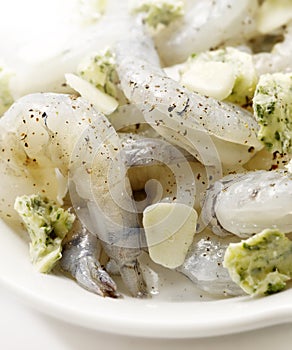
(102, 101)
(169, 230)
(215, 79)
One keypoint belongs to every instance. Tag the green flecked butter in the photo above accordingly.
(272, 106)
(262, 264)
(100, 70)
(160, 12)
(47, 224)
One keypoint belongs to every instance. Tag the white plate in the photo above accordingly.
(179, 311)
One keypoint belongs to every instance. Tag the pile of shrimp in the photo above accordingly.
(106, 167)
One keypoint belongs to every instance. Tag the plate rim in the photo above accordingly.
(164, 319)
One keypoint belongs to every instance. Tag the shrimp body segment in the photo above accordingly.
(227, 20)
(279, 59)
(245, 204)
(204, 265)
(214, 132)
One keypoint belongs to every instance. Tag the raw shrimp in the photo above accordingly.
(245, 204)
(225, 19)
(80, 257)
(164, 171)
(204, 264)
(48, 137)
(142, 150)
(214, 132)
(265, 160)
(279, 59)
(128, 118)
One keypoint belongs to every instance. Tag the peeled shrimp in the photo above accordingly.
(164, 171)
(265, 160)
(46, 138)
(279, 59)
(203, 264)
(214, 132)
(80, 257)
(245, 204)
(227, 19)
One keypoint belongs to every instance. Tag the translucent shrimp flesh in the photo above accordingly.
(247, 203)
(226, 20)
(214, 132)
(204, 265)
(164, 171)
(48, 138)
(279, 59)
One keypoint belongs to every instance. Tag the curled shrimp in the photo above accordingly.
(216, 133)
(48, 138)
(247, 203)
(226, 20)
(163, 171)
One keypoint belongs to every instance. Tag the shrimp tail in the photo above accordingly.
(92, 277)
(129, 268)
(132, 275)
(80, 260)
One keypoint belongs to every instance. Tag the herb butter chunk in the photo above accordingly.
(272, 105)
(159, 12)
(47, 225)
(100, 70)
(262, 264)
